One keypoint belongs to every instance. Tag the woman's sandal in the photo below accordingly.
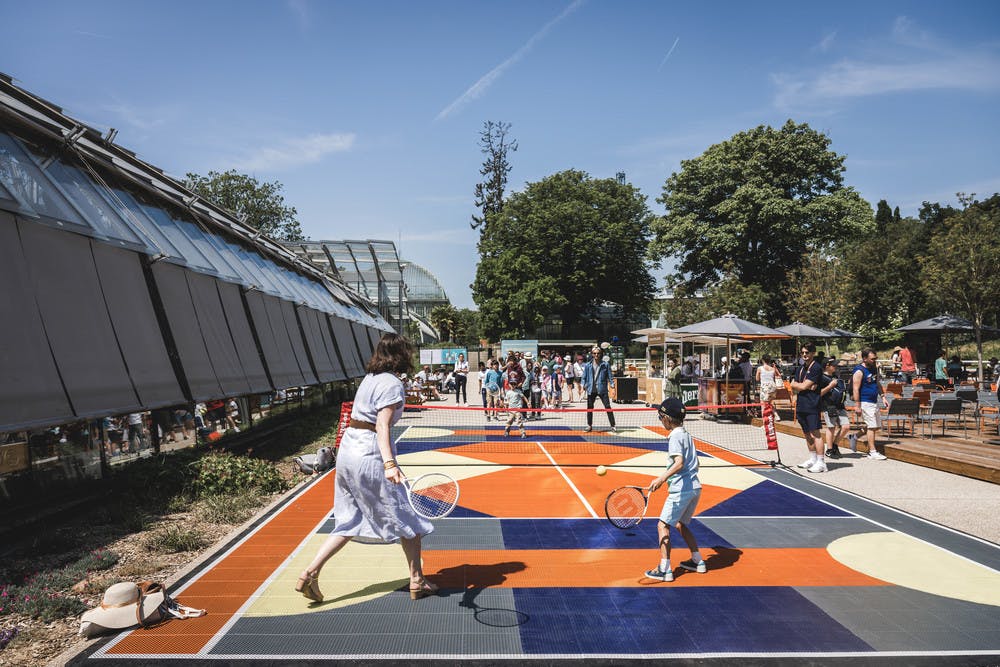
(308, 585)
(425, 589)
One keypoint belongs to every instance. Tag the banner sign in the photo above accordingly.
(769, 433)
(518, 346)
(445, 356)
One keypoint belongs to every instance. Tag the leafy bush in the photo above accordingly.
(174, 539)
(226, 474)
(230, 510)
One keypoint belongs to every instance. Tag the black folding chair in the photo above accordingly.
(903, 411)
(944, 410)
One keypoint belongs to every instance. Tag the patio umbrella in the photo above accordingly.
(941, 324)
(730, 326)
(844, 333)
(799, 330)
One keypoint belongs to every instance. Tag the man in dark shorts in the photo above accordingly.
(807, 384)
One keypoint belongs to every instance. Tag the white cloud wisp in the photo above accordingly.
(480, 87)
(295, 152)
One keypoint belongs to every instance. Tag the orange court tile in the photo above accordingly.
(596, 488)
(221, 595)
(552, 568)
(515, 493)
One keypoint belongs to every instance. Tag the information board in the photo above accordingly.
(444, 356)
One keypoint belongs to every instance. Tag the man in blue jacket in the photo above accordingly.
(596, 380)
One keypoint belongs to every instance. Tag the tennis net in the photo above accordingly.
(575, 436)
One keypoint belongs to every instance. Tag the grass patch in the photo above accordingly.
(175, 539)
(230, 510)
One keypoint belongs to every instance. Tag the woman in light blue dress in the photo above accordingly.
(370, 500)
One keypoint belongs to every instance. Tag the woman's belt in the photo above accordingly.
(364, 426)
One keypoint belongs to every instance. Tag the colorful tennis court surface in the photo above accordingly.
(530, 569)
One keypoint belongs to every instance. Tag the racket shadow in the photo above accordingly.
(473, 580)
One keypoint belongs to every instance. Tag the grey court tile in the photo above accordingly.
(778, 532)
(465, 534)
(492, 643)
(892, 618)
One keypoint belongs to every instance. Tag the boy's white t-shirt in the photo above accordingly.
(681, 444)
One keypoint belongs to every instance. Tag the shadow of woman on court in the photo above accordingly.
(472, 580)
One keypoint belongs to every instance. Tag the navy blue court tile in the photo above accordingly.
(770, 499)
(594, 534)
(465, 513)
(415, 445)
(681, 620)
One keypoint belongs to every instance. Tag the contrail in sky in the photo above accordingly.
(664, 61)
(479, 87)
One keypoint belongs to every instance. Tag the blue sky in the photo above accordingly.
(369, 112)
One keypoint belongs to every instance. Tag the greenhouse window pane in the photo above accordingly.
(22, 179)
(139, 221)
(172, 230)
(98, 212)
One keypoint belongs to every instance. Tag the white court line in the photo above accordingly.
(568, 481)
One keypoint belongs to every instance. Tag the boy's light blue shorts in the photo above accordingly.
(680, 507)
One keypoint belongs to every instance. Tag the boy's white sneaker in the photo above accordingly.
(660, 575)
(819, 466)
(875, 454)
(700, 567)
(808, 463)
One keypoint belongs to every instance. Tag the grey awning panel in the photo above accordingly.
(288, 366)
(80, 333)
(344, 340)
(239, 327)
(215, 332)
(176, 296)
(31, 393)
(298, 342)
(139, 335)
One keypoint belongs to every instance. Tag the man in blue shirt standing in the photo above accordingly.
(807, 383)
(868, 395)
(596, 380)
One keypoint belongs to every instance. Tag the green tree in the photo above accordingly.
(257, 204)
(878, 280)
(759, 203)
(563, 245)
(883, 215)
(494, 143)
(443, 318)
(467, 327)
(816, 295)
(960, 269)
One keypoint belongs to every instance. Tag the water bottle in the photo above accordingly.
(852, 438)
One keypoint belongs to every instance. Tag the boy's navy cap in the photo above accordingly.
(673, 408)
(830, 362)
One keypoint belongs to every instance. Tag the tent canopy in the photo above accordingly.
(731, 326)
(946, 323)
(799, 330)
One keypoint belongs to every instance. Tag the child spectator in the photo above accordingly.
(515, 405)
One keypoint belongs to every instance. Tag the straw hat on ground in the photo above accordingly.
(120, 608)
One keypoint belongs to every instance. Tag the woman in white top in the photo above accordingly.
(578, 372)
(369, 500)
(768, 377)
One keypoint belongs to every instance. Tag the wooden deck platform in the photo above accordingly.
(977, 455)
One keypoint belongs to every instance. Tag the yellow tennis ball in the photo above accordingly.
(601, 470)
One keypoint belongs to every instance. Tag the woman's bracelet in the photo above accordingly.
(390, 464)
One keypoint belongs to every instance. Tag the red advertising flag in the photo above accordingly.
(767, 414)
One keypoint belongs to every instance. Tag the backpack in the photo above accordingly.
(321, 461)
(837, 397)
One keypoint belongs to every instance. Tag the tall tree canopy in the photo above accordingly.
(257, 204)
(495, 145)
(960, 270)
(564, 244)
(757, 203)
